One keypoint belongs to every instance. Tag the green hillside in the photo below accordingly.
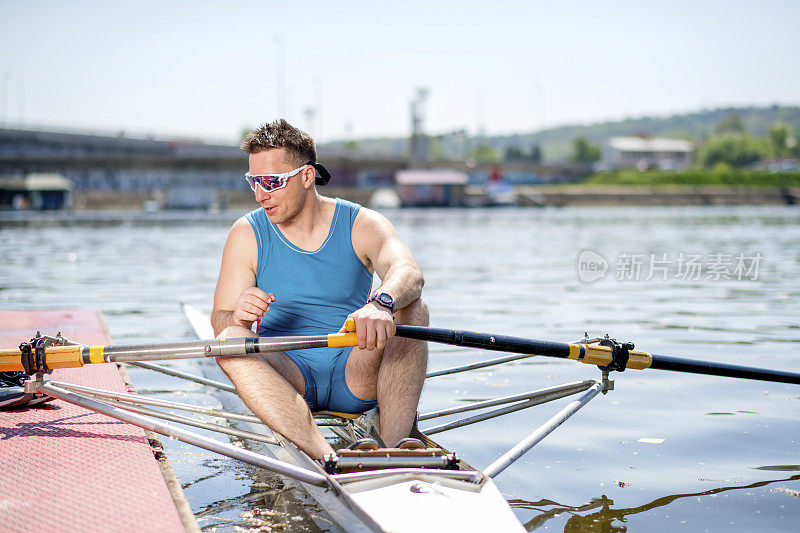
(556, 143)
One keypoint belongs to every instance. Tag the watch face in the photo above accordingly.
(385, 300)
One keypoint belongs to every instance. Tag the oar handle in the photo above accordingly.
(338, 340)
(57, 357)
(10, 360)
(78, 355)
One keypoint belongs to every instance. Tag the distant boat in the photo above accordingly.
(385, 197)
(495, 194)
(499, 193)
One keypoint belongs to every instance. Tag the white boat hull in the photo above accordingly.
(419, 503)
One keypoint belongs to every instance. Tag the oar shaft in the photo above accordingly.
(209, 348)
(679, 364)
(487, 341)
(77, 355)
(592, 354)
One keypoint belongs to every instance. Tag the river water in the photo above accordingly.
(662, 452)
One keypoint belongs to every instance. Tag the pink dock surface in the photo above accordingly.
(64, 468)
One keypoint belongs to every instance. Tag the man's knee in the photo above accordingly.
(414, 314)
(229, 362)
(235, 332)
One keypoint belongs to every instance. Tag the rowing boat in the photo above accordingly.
(428, 489)
(381, 499)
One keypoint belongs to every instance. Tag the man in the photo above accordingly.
(302, 264)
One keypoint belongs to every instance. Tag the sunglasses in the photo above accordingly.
(271, 182)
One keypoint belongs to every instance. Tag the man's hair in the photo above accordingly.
(298, 144)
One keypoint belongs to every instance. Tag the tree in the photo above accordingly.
(779, 134)
(535, 155)
(513, 153)
(584, 151)
(733, 151)
(731, 124)
(485, 154)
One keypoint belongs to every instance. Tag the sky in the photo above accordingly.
(349, 69)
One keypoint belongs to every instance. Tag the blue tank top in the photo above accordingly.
(314, 290)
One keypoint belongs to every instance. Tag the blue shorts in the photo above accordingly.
(326, 387)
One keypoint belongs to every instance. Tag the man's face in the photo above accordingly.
(280, 204)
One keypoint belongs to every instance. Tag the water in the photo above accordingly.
(730, 455)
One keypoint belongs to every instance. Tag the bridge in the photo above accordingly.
(95, 161)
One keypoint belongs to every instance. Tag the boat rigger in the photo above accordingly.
(426, 489)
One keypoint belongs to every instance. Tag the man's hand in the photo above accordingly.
(374, 326)
(252, 304)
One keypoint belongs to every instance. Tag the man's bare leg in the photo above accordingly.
(400, 375)
(269, 386)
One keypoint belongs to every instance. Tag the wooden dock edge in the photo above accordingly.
(170, 478)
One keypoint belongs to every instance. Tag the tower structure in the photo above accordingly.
(418, 145)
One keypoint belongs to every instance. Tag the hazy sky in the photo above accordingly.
(208, 69)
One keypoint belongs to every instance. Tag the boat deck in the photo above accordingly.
(64, 468)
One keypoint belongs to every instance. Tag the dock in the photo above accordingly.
(64, 468)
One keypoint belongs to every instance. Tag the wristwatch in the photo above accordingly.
(384, 300)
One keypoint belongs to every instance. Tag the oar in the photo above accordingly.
(38, 355)
(610, 354)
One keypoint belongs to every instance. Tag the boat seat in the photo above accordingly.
(356, 425)
(336, 414)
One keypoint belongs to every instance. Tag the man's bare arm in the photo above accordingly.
(237, 302)
(400, 275)
(377, 244)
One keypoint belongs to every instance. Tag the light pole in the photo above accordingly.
(280, 78)
(540, 106)
(21, 101)
(4, 97)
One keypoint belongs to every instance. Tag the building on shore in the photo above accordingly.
(777, 164)
(429, 188)
(35, 191)
(645, 153)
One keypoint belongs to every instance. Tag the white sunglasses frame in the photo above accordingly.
(284, 177)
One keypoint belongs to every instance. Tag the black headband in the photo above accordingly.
(323, 176)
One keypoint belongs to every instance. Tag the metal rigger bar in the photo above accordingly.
(279, 467)
(568, 388)
(532, 399)
(475, 366)
(542, 431)
(167, 404)
(184, 375)
(132, 402)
